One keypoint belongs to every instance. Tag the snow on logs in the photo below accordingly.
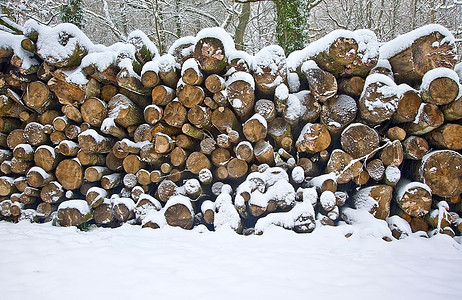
(342, 130)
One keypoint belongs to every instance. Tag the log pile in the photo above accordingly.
(208, 135)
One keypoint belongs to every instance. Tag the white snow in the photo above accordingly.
(190, 63)
(80, 205)
(298, 174)
(392, 173)
(11, 41)
(260, 119)
(406, 185)
(53, 261)
(94, 134)
(294, 82)
(404, 41)
(368, 47)
(294, 109)
(185, 40)
(139, 39)
(271, 59)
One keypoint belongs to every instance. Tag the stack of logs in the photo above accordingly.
(144, 136)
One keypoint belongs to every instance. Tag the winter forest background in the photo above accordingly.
(254, 24)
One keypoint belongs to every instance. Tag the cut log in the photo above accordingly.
(237, 168)
(24, 152)
(179, 212)
(15, 137)
(67, 148)
(396, 133)
(20, 166)
(128, 79)
(351, 86)
(359, 140)
(133, 163)
(192, 131)
(69, 173)
(178, 157)
(269, 69)
(448, 136)
(92, 142)
(53, 192)
(341, 164)
(428, 118)
(427, 52)
(124, 111)
(414, 198)
(220, 157)
(337, 113)
(408, 106)
(392, 175)
(310, 107)
(281, 132)
(440, 86)
(255, 128)
(264, 152)
(143, 177)
(224, 118)
(393, 154)
(190, 72)
(214, 83)
(7, 186)
(415, 147)
(323, 85)
(35, 134)
(37, 96)
(74, 213)
(95, 173)
(452, 111)
(175, 114)
(200, 117)
(266, 109)
(162, 95)
(207, 145)
(190, 95)
(66, 92)
(376, 169)
(196, 162)
(184, 141)
(72, 113)
(111, 181)
(166, 189)
(37, 177)
(94, 111)
(441, 171)
(149, 155)
(313, 138)
(240, 90)
(91, 159)
(153, 114)
(123, 209)
(375, 199)
(244, 151)
(103, 214)
(210, 54)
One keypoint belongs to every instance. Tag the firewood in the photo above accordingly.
(448, 136)
(107, 92)
(10, 108)
(428, 118)
(255, 128)
(323, 85)
(133, 163)
(37, 177)
(425, 53)
(149, 154)
(175, 114)
(337, 113)
(453, 110)
(223, 141)
(190, 72)
(196, 162)
(7, 186)
(341, 164)
(150, 78)
(69, 173)
(281, 132)
(408, 106)
(15, 137)
(93, 159)
(237, 168)
(375, 199)
(142, 133)
(162, 95)
(223, 118)
(240, 90)
(313, 138)
(94, 111)
(37, 96)
(166, 189)
(111, 181)
(35, 135)
(20, 166)
(143, 177)
(207, 145)
(5, 167)
(179, 212)
(376, 169)
(178, 157)
(210, 54)
(393, 154)
(67, 148)
(221, 98)
(220, 157)
(266, 109)
(221, 173)
(200, 117)
(415, 147)
(440, 86)
(156, 176)
(396, 133)
(128, 79)
(66, 92)
(264, 152)
(61, 123)
(91, 141)
(129, 182)
(103, 214)
(52, 192)
(434, 171)
(190, 95)
(269, 69)
(184, 141)
(153, 114)
(124, 111)
(359, 140)
(95, 173)
(74, 213)
(414, 198)
(24, 152)
(214, 83)
(352, 86)
(208, 212)
(209, 102)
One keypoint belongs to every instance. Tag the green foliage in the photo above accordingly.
(72, 12)
(292, 29)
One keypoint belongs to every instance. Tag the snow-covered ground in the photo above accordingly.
(39, 261)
